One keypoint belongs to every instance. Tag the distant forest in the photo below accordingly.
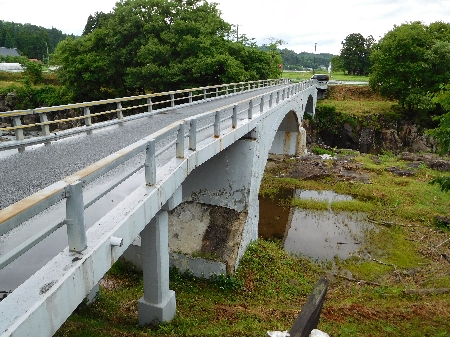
(31, 41)
(303, 60)
(294, 61)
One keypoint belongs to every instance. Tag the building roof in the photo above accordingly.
(9, 51)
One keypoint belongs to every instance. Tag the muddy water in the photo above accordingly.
(319, 235)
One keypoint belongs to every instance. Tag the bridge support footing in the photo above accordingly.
(158, 303)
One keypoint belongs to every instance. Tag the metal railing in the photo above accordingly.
(116, 108)
(70, 189)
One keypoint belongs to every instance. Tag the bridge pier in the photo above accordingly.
(158, 303)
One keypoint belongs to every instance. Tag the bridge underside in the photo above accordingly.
(205, 204)
(219, 213)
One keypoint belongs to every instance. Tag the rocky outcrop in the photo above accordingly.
(380, 136)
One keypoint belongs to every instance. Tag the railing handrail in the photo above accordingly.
(23, 210)
(118, 100)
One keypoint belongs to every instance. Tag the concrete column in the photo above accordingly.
(301, 142)
(158, 303)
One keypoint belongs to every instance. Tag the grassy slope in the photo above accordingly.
(365, 297)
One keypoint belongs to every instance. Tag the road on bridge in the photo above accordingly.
(26, 172)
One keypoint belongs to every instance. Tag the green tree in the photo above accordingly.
(442, 132)
(33, 70)
(95, 21)
(155, 45)
(336, 64)
(355, 54)
(410, 61)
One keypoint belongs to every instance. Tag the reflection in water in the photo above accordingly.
(320, 235)
(273, 218)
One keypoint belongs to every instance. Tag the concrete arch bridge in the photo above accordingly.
(199, 192)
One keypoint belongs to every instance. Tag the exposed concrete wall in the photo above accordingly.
(219, 215)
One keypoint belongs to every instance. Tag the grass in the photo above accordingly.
(337, 76)
(9, 78)
(270, 286)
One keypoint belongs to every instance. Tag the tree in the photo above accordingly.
(33, 70)
(442, 132)
(157, 45)
(410, 61)
(336, 64)
(355, 54)
(95, 21)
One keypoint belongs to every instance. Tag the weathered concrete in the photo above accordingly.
(158, 303)
(224, 171)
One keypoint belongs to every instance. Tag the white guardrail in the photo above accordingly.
(71, 188)
(116, 108)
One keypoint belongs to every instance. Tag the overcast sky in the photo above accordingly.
(301, 24)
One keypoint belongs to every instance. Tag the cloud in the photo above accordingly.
(299, 23)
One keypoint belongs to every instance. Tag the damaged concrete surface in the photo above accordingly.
(207, 231)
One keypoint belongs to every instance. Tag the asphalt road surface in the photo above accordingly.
(24, 173)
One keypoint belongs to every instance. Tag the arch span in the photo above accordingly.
(220, 209)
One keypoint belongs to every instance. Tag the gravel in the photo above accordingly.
(24, 173)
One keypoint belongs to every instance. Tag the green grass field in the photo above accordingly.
(337, 76)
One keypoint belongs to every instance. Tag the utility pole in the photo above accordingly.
(315, 48)
(237, 33)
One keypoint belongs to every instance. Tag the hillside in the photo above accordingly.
(32, 41)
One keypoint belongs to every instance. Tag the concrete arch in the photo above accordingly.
(220, 210)
(310, 106)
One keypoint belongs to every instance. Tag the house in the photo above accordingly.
(8, 52)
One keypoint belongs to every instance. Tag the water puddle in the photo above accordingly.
(319, 235)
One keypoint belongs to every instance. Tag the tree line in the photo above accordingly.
(304, 60)
(31, 41)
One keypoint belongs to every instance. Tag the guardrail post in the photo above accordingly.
(217, 124)
(190, 96)
(180, 142)
(271, 100)
(87, 114)
(226, 89)
(234, 118)
(193, 135)
(282, 96)
(76, 230)
(204, 94)
(172, 99)
(150, 163)
(249, 86)
(250, 109)
(288, 91)
(261, 105)
(217, 92)
(18, 132)
(119, 111)
(235, 88)
(45, 128)
(149, 104)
